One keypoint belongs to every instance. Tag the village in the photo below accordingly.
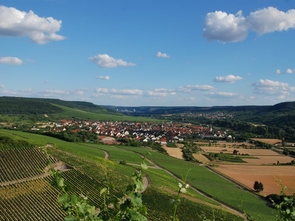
(143, 131)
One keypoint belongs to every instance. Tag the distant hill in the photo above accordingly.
(36, 109)
(160, 110)
(21, 105)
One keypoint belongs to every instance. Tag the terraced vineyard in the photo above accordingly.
(20, 163)
(26, 192)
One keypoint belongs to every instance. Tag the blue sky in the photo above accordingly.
(149, 52)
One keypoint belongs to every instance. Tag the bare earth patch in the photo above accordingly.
(173, 152)
(268, 160)
(267, 140)
(251, 152)
(268, 175)
(201, 158)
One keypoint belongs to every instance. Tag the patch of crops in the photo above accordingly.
(159, 206)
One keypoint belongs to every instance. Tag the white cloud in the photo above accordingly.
(224, 27)
(162, 55)
(223, 95)
(15, 23)
(161, 92)
(105, 91)
(54, 93)
(104, 78)
(105, 61)
(2, 86)
(79, 92)
(271, 19)
(190, 88)
(289, 71)
(10, 60)
(272, 87)
(229, 78)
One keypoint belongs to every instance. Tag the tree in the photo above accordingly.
(258, 186)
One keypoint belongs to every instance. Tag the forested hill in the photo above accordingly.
(21, 105)
(284, 107)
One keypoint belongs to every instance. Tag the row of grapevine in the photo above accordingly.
(16, 164)
(30, 200)
(82, 184)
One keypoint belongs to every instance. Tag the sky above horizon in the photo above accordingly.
(149, 52)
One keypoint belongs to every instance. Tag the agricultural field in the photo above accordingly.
(173, 151)
(263, 165)
(267, 140)
(90, 160)
(272, 177)
(213, 185)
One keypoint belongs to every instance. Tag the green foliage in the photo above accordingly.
(225, 157)
(7, 142)
(18, 105)
(286, 208)
(258, 186)
(171, 144)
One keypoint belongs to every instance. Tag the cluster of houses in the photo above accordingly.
(144, 131)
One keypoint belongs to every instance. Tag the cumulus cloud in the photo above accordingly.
(104, 78)
(289, 71)
(162, 55)
(105, 61)
(15, 23)
(2, 86)
(161, 92)
(10, 60)
(224, 27)
(106, 91)
(54, 93)
(190, 88)
(272, 87)
(223, 95)
(229, 78)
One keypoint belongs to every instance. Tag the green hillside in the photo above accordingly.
(90, 159)
(24, 110)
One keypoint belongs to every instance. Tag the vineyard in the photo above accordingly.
(25, 186)
(21, 163)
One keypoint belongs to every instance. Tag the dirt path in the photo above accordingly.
(57, 166)
(106, 155)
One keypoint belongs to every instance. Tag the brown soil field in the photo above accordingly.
(173, 152)
(267, 141)
(225, 144)
(268, 175)
(199, 157)
(268, 160)
(251, 152)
